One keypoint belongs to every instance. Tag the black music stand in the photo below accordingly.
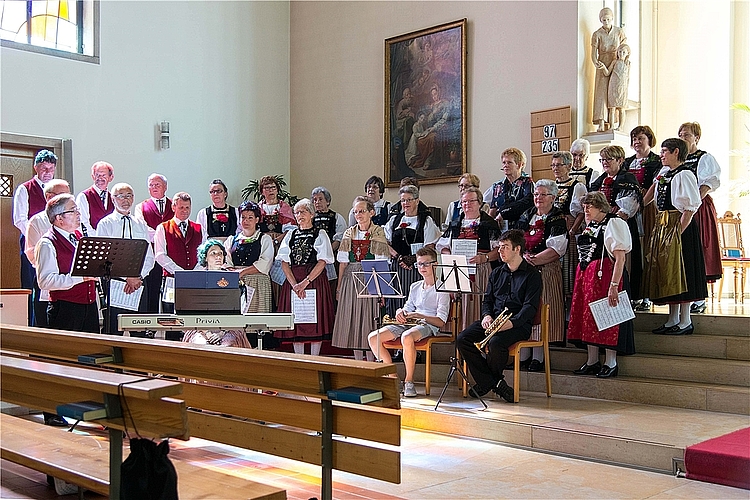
(103, 258)
(376, 280)
(455, 280)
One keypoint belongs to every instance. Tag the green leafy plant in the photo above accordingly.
(253, 190)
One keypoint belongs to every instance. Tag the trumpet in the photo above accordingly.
(494, 328)
(387, 320)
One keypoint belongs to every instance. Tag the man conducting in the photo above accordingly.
(516, 285)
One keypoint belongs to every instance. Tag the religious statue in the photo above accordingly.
(617, 92)
(604, 44)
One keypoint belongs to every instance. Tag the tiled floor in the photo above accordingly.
(433, 466)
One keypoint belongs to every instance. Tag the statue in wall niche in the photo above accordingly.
(604, 44)
(617, 91)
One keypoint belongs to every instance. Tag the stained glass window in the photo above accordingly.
(55, 24)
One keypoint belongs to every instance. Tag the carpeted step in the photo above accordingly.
(722, 460)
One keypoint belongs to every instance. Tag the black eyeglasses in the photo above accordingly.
(425, 264)
(74, 211)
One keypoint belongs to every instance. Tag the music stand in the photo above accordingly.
(455, 280)
(377, 281)
(104, 257)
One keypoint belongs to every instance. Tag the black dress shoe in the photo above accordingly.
(662, 329)
(587, 369)
(523, 365)
(536, 366)
(477, 392)
(698, 309)
(54, 420)
(607, 372)
(644, 305)
(676, 330)
(505, 391)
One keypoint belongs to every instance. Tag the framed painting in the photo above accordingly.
(425, 105)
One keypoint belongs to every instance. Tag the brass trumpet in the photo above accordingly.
(494, 328)
(387, 320)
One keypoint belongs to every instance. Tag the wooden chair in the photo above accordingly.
(425, 345)
(543, 341)
(732, 252)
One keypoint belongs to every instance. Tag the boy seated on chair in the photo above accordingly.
(426, 307)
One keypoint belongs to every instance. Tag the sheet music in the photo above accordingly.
(168, 295)
(305, 310)
(449, 276)
(607, 316)
(118, 297)
(468, 248)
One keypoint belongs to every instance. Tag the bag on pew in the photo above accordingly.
(147, 473)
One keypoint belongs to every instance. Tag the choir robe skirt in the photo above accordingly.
(355, 317)
(308, 332)
(552, 294)
(582, 327)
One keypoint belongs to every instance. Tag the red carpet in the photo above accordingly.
(722, 460)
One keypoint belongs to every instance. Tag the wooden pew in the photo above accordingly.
(305, 426)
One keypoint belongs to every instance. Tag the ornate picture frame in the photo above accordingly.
(425, 105)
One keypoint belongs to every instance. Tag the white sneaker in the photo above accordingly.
(409, 390)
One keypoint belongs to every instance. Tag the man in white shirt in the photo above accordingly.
(36, 227)
(176, 243)
(27, 202)
(95, 203)
(121, 224)
(153, 211)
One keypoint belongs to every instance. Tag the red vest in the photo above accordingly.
(37, 202)
(96, 208)
(82, 293)
(183, 251)
(151, 212)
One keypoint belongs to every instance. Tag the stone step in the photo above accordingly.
(659, 367)
(702, 346)
(705, 324)
(672, 393)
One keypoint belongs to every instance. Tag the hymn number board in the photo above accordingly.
(550, 132)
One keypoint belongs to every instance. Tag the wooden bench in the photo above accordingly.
(305, 420)
(84, 460)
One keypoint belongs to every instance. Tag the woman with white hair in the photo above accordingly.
(580, 150)
(303, 254)
(546, 234)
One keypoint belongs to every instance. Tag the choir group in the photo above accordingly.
(646, 225)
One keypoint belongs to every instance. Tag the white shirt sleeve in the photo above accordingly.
(340, 227)
(685, 193)
(323, 248)
(487, 197)
(352, 220)
(628, 204)
(617, 236)
(387, 228)
(83, 207)
(21, 208)
(709, 172)
(47, 273)
(35, 229)
(201, 220)
(284, 250)
(160, 251)
(431, 231)
(558, 243)
(443, 243)
(579, 191)
(264, 262)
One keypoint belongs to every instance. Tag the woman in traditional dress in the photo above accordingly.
(251, 253)
(355, 317)
(407, 232)
(601, 274)
(276, 219)
(644, 165)
(374, 189)
(675, 271)
(546, 234)
(570, 192)
(707, 170)
(512, 196)
(218, 220)
(623, 194)
(473, 224)
(454, 212)
(580, 150)
(332, 223)
(304, 253)
(213, 257)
